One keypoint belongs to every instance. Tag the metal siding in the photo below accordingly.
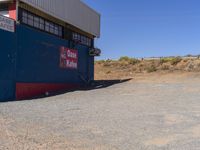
(73, 12)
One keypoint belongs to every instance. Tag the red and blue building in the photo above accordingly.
(46, 46)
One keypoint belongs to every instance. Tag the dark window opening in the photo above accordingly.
(81, 39)
(40, 23)
(45, 25)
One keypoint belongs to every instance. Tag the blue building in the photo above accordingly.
(46, 46)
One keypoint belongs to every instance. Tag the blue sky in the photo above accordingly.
(145, 28)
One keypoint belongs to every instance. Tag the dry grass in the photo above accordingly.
(127, 67)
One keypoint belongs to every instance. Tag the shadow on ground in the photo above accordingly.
(98, 84)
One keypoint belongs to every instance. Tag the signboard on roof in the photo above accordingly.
(7, 24)
(68, 58)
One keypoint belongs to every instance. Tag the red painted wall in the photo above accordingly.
(30, 90)
(12, 11)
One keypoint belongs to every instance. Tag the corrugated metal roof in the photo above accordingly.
(74, 12)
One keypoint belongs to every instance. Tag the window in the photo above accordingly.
(75, 36)
(36, 22)
(47, 26)
(40, 23)
(82, 39)
(25, 17)
(30, 19)
(60, 31)
(79, 37)
(51, 25)
(89, 42)
(56, 30)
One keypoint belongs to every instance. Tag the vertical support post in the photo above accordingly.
(17, 10)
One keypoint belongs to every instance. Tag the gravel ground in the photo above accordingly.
(146, 113)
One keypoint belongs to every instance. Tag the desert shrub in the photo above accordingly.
(100, 61)
(108, 63)
(129, 60)
(108, 72)
(189, 55)
(134, 61)
(165, 67)
(165, 60)
(108, 60)
(124, 58)
(185, 60)
(141, 64)
(151, 68)
(172, 60)
(176, 60)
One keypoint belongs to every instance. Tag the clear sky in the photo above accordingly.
(145, 28)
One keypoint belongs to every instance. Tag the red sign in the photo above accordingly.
(68, 58)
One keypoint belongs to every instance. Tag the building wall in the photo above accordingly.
(30, 65)
(39, 57)
(73, 12)
(7, 65)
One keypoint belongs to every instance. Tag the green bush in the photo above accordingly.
(124, 58)
(129, 60)
(165, 60)
(171, 60)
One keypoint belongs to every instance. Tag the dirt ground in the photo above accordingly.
(153, 111)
